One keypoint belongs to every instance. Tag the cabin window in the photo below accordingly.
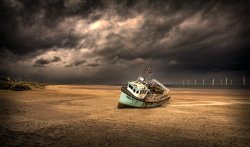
(134, 90)
(130, 87)
(137, 92)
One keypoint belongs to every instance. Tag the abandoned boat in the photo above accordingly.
(144, 92)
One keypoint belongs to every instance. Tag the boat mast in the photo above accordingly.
(146, 74)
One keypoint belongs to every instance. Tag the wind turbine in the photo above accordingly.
(213, 81)
(183, 82)
(244, 80)
(188, 82)
(195, 82)
(220, 82)
(203, 81)
(231, 82)
(226, 80)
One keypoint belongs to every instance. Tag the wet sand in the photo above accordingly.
(71, 115)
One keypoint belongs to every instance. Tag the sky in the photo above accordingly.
(112, 41)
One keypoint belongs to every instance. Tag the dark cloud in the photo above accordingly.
(41, 61)
(174, 37)
(56, 59)
(33, 25)
(76, 63)
(93, 64)
(79, 62)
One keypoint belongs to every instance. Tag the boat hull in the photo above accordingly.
(128, 101)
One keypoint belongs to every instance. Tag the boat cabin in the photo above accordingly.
(138, 89)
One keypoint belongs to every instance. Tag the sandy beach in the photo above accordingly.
(87, 115)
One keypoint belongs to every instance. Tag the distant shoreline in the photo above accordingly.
(243, 87)
(237, 87)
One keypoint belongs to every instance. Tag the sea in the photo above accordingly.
(238, 87)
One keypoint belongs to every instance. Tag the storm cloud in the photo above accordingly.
(112, 41)
(42, 61)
